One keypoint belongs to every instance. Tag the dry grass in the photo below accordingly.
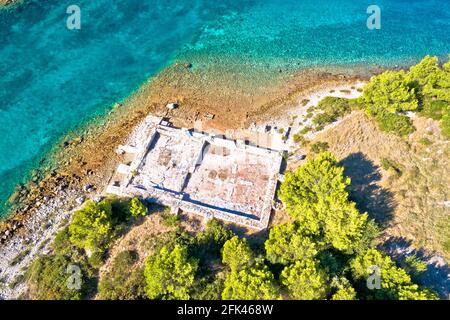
(410, 204)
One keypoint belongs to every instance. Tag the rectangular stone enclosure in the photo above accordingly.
(199, 173)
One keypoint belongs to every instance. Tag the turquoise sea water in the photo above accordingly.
(53, 79)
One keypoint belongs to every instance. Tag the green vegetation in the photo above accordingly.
(315, 196)
(287, 243)
(425, 141)
(48, 275)
(305, 102)
(445, 124)
(299, 138)
(137, 209)
(331, 109)
(396, 123)
(305, 281)
(424, 88)
(169, 274)
(395, 281)
(389, 92)
(81, 246)
(319, 147)
(305, 130)
(123, 282)
(392, 167)
(169, 219)
(247, 278)
(91, 228)
(251, 283)
(327, 251)
(237, 254)
(434, 109)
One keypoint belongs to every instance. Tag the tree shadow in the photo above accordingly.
(437, 274)
(364, 190)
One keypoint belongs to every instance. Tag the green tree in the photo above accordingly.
(430, 79)
(347, 293)
(395, 282)
(91, 227)
(286, 244)
(305, 281)
(344, 290)
(251, 283)
(209, 243)
(170, 274)
(137, 209)
(392, 122)
(237, 254)
(390, 92)
(315, 196)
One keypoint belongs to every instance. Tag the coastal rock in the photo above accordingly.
(76, 141)
(98, 199)
(14, 197)
(80, 200)
(89, 188)
(172, 106)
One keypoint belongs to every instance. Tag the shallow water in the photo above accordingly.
(53, 79)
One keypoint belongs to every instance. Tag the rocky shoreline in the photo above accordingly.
(9, 3)
(84, 162)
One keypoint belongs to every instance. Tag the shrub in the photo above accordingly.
(434, 109)
(210, 242)
(445, 125)
(48, 278)
(392, 167)
(394, 123)
(319, 147)
(209, 288)
(305, 130)
(425, 141)
(413, 265)
(137, 209)
(298, 138)
(124, 281)
(331, 108)
(169, 219)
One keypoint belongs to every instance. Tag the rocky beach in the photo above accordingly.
(84, 161)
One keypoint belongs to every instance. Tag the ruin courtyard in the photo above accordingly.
(199, 173)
